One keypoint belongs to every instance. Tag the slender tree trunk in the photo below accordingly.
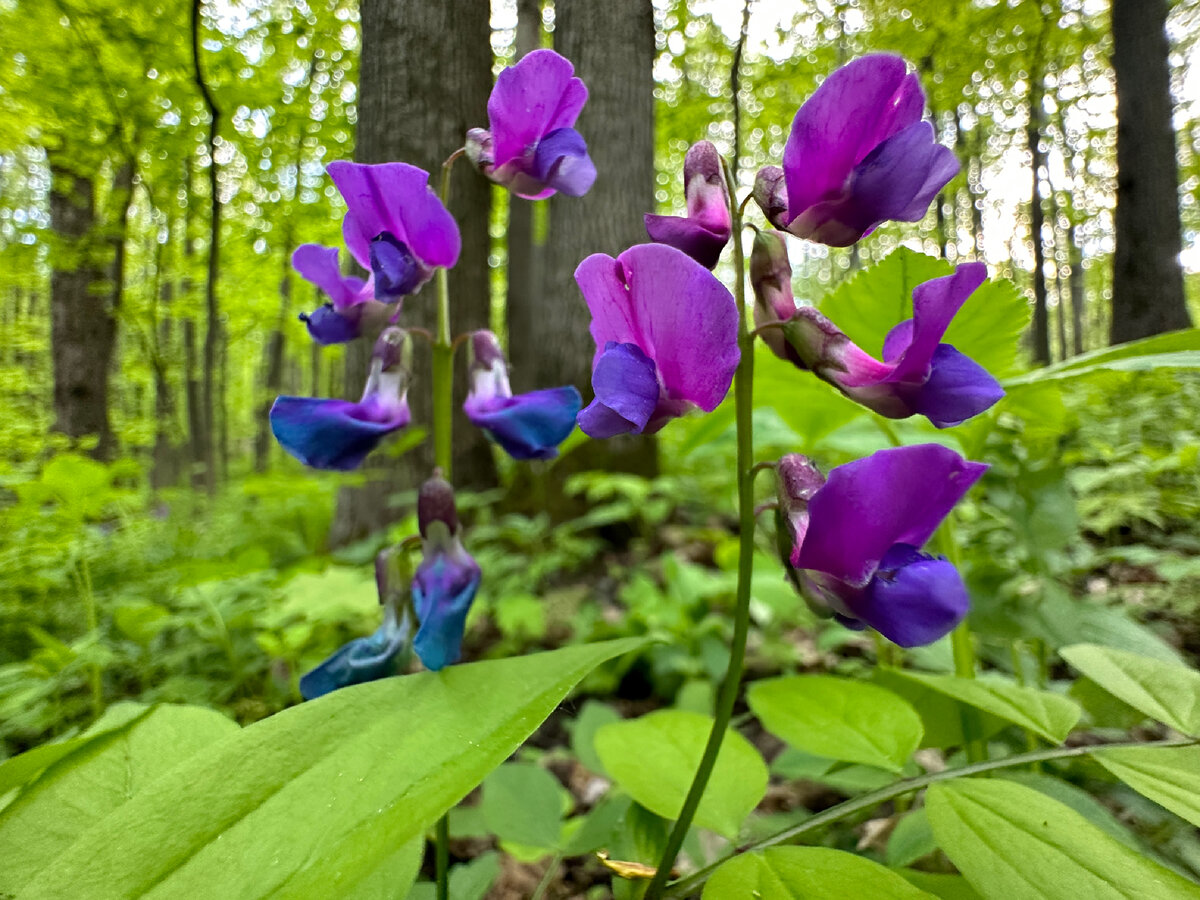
(1040, 338)
(1148, 295)
(524, 253)
(612, 47)
(1076, 284)
(274, 364)
(81, 325)
(425, 76)
(975, 187)
(1060, 254)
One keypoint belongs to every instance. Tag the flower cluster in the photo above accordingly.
(667, 340)
(401, 233)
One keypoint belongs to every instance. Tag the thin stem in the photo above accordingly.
(869, 801)
(95, 681)
(743, 395)
(547, 877)
(443, 858)
(963, 645)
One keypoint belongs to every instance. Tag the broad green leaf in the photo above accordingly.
(81, 789)
(523, 803)
(654, 758)
(941, 715)
(838, 718)
(22, 769)
(1166, 692)
(869, 305)
(806, 873)
(470, 881)
(945, 887)
(1177, 349)
(591, 718)
(1050, 715)
(1011, 841)
(1170, 776)
(334, 785)
(1076, 798)
(911, 839)
(390, 877)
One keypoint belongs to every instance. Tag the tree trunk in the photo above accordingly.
(524, 253)
(81, 325)
(1147, 292)
(1076, 286)
(274, 363)
(1040, 338)
(612, 47)
(425, 76)
(975, 187)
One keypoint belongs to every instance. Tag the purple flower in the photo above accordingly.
(531, 147)
(352, 307)
(919, 375)
(380, 654)
(337, 434)
(527, 426)
(666, 339)
(703, 233)
(446, 579)
(395, 226)
(858, 155)
(852, 543)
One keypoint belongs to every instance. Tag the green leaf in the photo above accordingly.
(654, 757)
(470, 881)
(1012, 841)
(946, 887)
(523, 803)
(1164, 691)
(1049, 715)
(838, 719)
(911, 839)
(599, 826)
(867, 306)
(941, 715)
(1177, 349)
(1170, 776)
(20, 770)
(591, 718)
(806, 873)
(331, 786)
(81, 789)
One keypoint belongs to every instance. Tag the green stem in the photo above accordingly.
(963, 645)
(743, 395)
(547, 877)
(443, 858)
(95, 679)
(900, 788)
(443, 433)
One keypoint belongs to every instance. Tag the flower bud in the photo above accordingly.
(771, 278)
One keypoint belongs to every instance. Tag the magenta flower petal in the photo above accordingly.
(531, 99)
(896, 496)
(935, 303)
(395, 198)
(855, 109)
(674, 310)
(857, 155)
(319, 265)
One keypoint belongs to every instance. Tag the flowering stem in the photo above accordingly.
(743, 396)
(963, 645)
(443, 858)
(687, 886)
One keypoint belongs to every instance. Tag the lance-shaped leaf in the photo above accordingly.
(1164, 691)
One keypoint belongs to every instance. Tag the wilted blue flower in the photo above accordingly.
(852, 543)
(666, 339)
(531, 146)
(380, 654)
(336, 434)
(703, 233)
(919, 374)
(858, 155)
(527, 426)
(352, 307)
(446, 579)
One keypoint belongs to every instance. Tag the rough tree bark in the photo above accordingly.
(81, 324)
(1148, 293)
(425, 75)
(612, 47)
